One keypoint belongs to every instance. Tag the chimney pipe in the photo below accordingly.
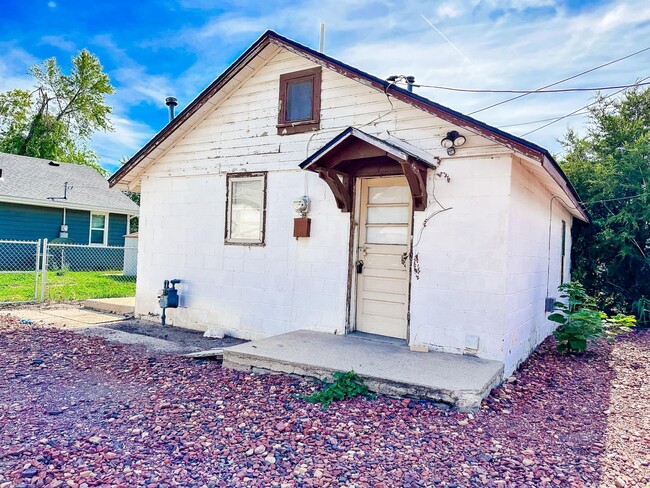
(171, 102)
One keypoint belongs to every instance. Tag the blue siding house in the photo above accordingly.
(71, 203)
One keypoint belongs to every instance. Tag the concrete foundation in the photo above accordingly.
(388, 367)
(122, 306)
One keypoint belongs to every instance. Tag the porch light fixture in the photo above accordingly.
(453, 140)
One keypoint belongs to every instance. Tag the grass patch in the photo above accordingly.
(69, 285)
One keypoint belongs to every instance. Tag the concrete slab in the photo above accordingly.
(152, 344)
(64, 317)
(123, 306)
(387, 367)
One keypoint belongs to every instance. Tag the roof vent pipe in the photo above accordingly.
(171, 102)
(410, 80)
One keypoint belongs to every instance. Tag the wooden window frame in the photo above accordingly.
(287, 127)
(262, 175)
(105, 229)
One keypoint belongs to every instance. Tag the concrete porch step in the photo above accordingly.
(388, 368)
(122, 306)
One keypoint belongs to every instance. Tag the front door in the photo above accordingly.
(382, 264)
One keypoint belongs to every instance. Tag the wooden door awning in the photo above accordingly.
(354, 153)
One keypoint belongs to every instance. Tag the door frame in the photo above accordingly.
(355, 217)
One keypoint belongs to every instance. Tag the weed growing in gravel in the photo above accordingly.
(581, 321)
(345, 386)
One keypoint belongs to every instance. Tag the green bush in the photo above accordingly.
(345, 386)
(641, 308)
(581, 322)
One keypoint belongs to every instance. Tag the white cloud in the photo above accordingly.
(59, 42)
(51, 4)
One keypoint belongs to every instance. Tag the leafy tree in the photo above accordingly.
(610, 169)
(56, 119)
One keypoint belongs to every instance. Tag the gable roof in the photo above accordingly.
(35, 181)
(392, 145)
(518, 144)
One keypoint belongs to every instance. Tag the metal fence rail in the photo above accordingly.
(79, 272)
(33, 270)
(20, 263)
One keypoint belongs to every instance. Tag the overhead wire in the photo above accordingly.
(581, 108)
(562, 80)
(529, 92)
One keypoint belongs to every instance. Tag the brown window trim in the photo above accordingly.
(258, 174)
(286, 127)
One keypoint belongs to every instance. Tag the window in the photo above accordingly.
(299, 107)
(98, 229)
(245, 208)
(563, 253)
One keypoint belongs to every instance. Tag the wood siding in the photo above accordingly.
(240, 133)
(30, 223)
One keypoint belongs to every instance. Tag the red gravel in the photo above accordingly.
(94, 413)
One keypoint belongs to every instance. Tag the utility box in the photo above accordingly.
(301, 227)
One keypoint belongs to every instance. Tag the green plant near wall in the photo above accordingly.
(345, 386)
(641, 308)
(580, 321)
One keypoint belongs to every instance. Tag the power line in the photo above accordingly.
(531, 92)
(577, 110)
(538, 121)
(561, 81)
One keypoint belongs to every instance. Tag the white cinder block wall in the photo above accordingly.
(460, 294)
(463, 294)
(529, 262)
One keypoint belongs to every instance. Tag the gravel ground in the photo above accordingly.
(184, 337)
(78, 411)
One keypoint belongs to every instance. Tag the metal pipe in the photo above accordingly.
(321, 44)
(171, 102)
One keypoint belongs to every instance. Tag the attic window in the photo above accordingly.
(299, 107)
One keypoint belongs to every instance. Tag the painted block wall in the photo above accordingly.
(529, 261)
(459, 297)
(245, 291)
(289, 284)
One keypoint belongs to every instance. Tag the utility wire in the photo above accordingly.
(579, 109)
(531, 92)
(561, 81)
(538, 121)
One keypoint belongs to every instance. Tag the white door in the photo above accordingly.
(382, 264)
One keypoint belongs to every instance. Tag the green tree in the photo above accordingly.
(610, 168)
(58, 116)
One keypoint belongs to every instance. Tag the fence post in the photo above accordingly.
(36, 268)
(44, 270)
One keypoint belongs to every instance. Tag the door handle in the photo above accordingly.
(359, 266)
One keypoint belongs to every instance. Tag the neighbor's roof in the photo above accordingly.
(518, 144)
(34, 181)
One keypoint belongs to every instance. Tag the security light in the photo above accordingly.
(451, 140)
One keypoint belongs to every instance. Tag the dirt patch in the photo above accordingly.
(178, 335)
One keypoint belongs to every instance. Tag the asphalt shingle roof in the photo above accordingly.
(41, 181)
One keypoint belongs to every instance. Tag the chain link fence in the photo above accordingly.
(20, 263)
(35, 270)
(80, 272)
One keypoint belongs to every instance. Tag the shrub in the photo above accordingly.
(641, 308)
(581, 322)
(345, 386)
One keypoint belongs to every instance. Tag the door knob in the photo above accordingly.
(359, 266)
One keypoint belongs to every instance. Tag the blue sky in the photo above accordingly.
(176, 47)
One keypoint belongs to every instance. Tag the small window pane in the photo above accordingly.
(387, 235)
(388, 215)
(97, 237)
(98, 221)
(246, 210)
(389, 194)
(299, 100)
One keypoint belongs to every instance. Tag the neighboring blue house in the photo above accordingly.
(67, 202)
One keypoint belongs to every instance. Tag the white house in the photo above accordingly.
(452, 248)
